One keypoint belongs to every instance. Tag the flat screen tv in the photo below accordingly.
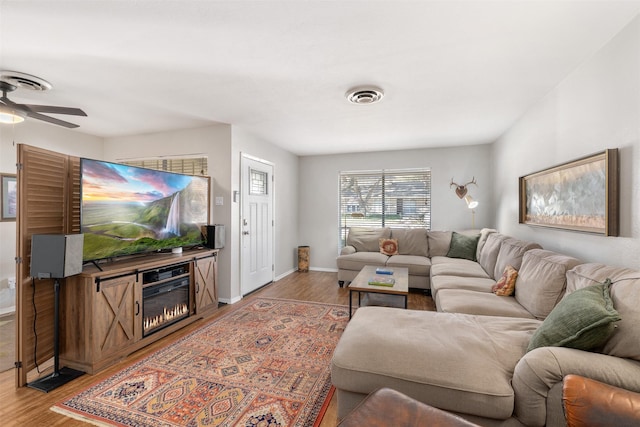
(127, 210)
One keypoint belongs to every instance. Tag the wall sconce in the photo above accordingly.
(471, 204)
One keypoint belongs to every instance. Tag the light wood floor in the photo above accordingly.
(29, 407)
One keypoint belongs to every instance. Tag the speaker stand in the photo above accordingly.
(60, 376)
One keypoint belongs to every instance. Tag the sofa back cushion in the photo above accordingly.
(439, 242)
(511, 252)
(542, 280)
(625, 292)
(411, 241)
(489, 253)
(366, 239)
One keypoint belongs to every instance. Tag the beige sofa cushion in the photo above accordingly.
(366, 239)
(484, 233)
(411, 241)
(417, 265)
(439, 242)
(625, 292)
(479, 303)
(511, 252)
(489, 254)
(427, 356)
(358, 260)
(542, 280)
(476, 284)
(444, 266)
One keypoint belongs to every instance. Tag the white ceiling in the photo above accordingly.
(453, 72)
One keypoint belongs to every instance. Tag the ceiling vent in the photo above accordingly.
(24, 81)
(365, 95)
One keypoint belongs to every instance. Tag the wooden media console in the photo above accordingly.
(103, 312)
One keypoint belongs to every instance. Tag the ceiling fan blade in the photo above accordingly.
(55, 110)
(52, 120)
(9, 103)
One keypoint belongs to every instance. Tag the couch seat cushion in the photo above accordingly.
(476, 284)
(479, 303)
(417, 265)
(451, 361)
(359, 259)
(443, 266)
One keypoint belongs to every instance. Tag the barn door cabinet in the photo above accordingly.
(103, 314)
(205, 285)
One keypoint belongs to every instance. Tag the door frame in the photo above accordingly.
(247, 156)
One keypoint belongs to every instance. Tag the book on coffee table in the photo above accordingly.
(382, 270)
(382, 281)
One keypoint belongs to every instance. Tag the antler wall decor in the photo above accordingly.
(461, 190)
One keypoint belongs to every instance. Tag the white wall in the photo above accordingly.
(286, 201)
(319, 191)
(43, 135)
(594, 108)
(214, 142)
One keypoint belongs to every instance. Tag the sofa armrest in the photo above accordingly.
(347, 250)
(543, 368)
(590, 403)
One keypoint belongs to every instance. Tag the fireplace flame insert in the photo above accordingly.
(164, 304)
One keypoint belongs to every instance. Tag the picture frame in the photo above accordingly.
(580, 195)
(9, 197)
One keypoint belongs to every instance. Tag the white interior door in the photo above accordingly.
(256, 223)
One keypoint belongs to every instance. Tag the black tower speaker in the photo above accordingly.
(214, 236)
(56, 255)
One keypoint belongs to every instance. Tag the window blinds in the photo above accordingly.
(187, 166)
(386, 198)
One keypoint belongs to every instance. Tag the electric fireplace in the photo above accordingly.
(164, 304)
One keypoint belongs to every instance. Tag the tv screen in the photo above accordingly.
(127, 210)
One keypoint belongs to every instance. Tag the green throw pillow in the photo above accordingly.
(463, 246)
(583, 320)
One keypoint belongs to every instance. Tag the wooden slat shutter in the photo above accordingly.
(48, 203)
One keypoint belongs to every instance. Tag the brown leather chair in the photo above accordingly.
(387, 407)
(590, 403)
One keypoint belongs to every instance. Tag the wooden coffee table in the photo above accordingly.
(361, 285)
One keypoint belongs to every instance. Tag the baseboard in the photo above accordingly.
(327, 270)
(285, 274)
(230, 301)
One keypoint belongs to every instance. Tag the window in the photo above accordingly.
(386, 198)
(184, 165)
(257, 182)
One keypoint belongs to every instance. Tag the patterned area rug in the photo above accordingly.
(264, 364)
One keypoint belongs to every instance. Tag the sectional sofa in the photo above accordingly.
(496, 360)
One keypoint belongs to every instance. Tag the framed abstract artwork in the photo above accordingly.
(9, 192)
(580, 195)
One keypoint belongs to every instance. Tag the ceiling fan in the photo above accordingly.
(13, 112)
